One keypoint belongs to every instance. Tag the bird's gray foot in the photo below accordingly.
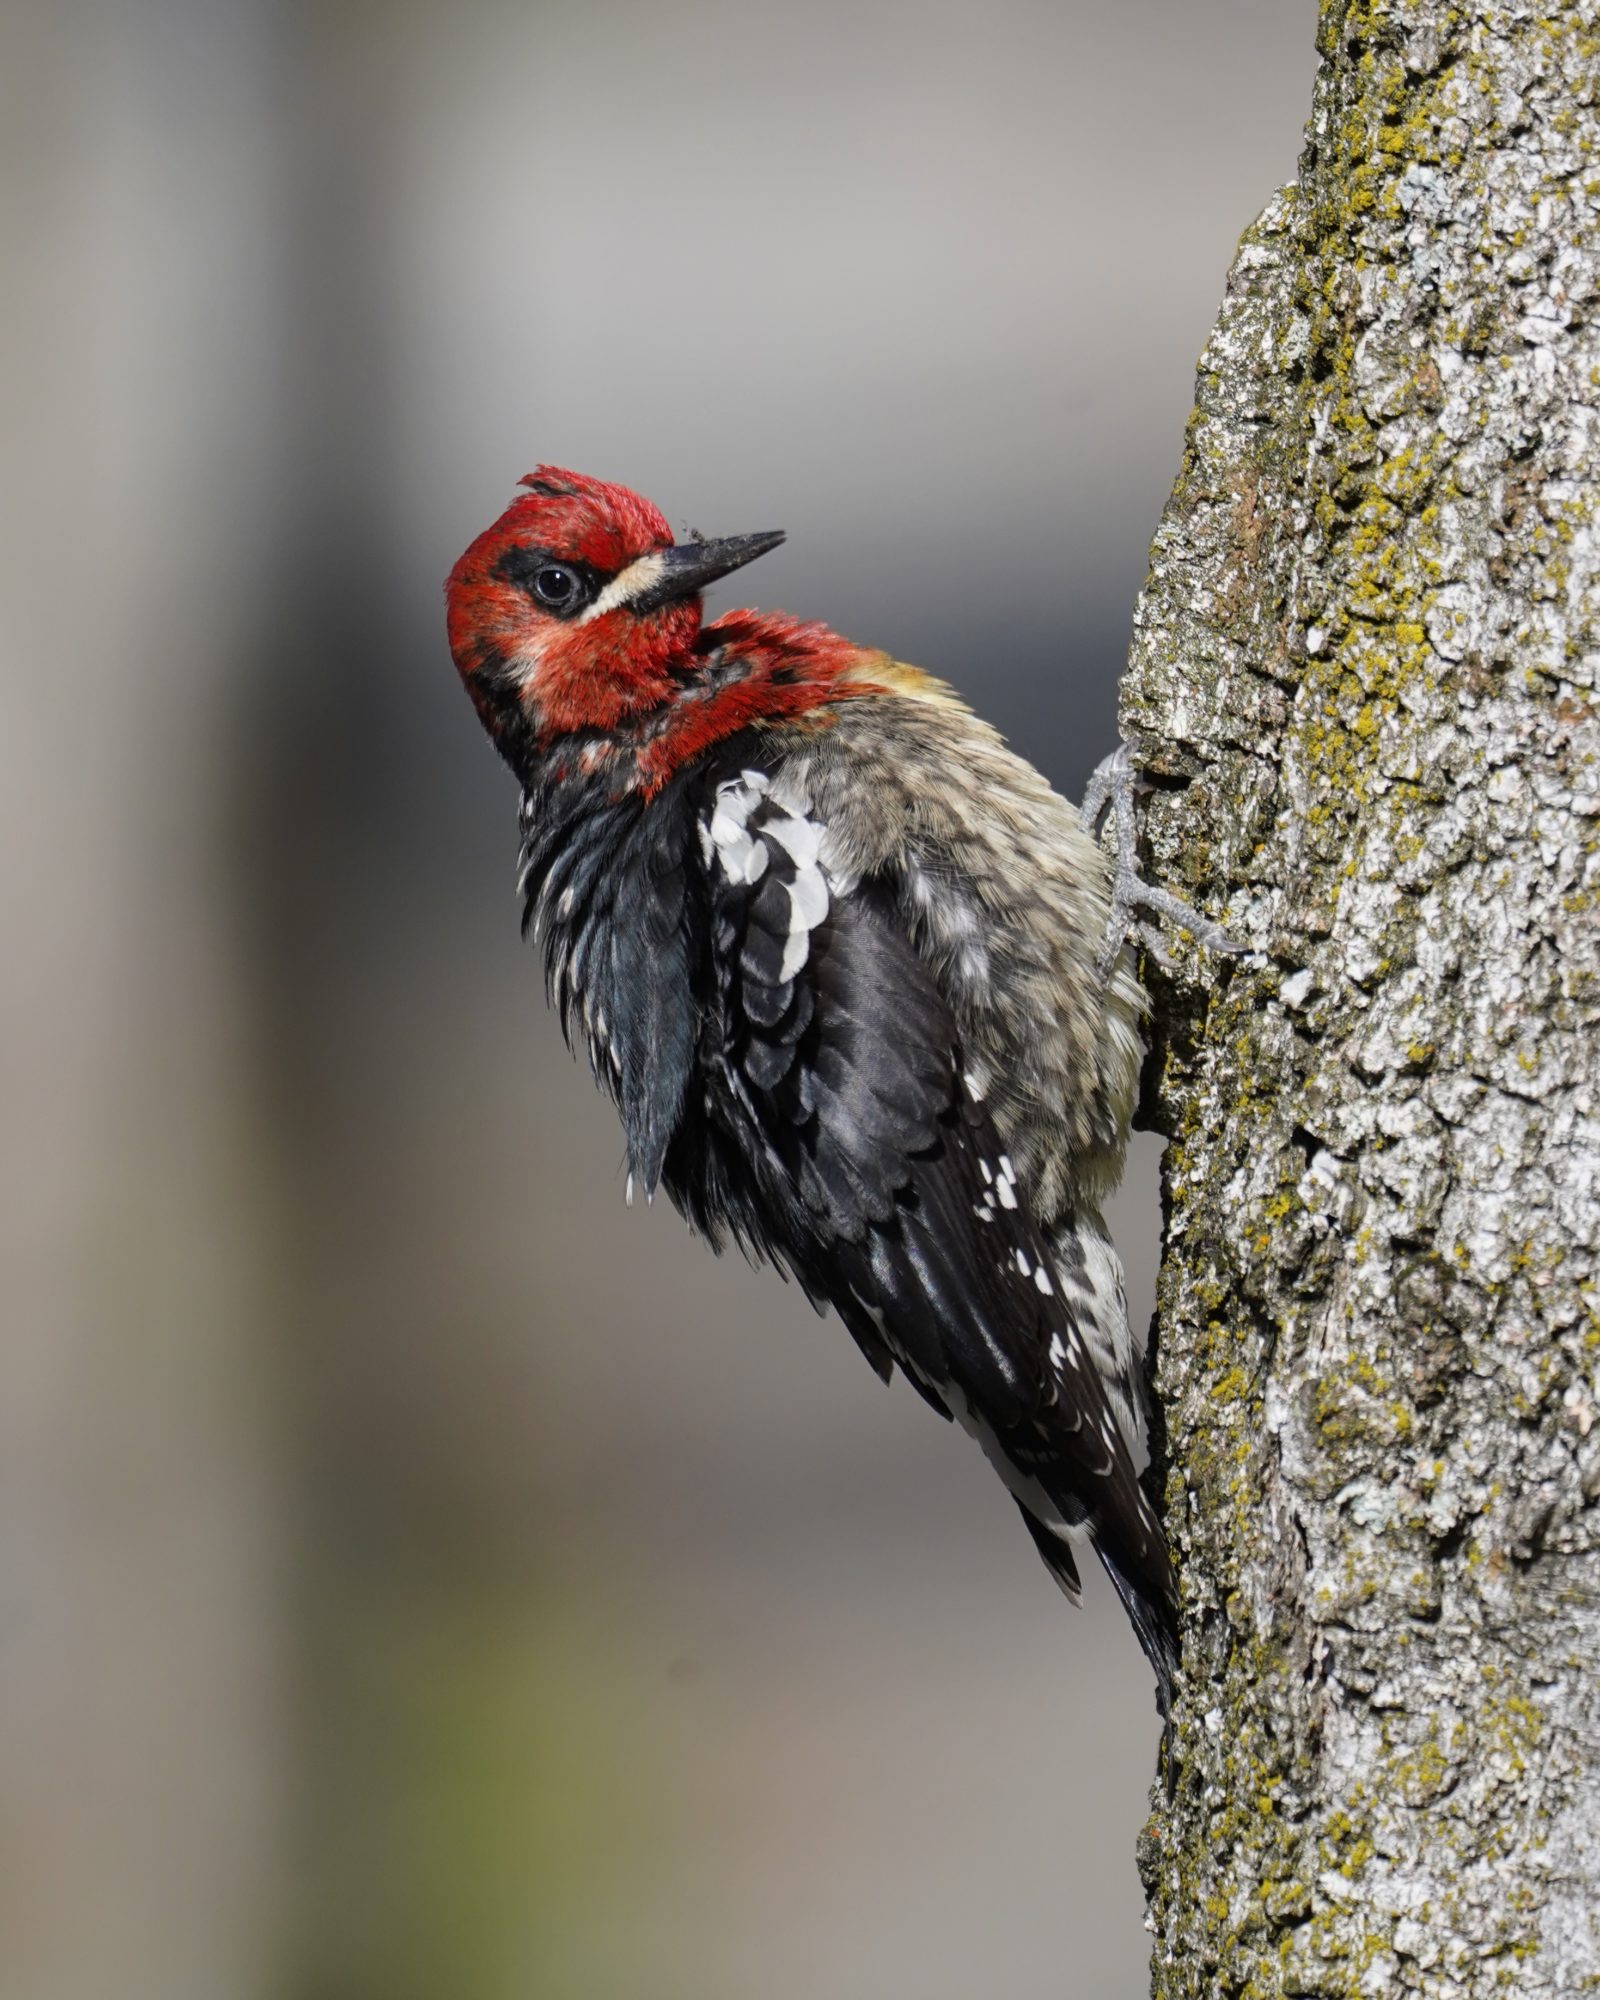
(1112, 790)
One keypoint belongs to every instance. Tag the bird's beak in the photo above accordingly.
(689, 566)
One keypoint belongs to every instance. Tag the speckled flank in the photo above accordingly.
(1368, 645)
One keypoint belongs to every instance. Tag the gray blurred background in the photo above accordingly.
(421, 1578)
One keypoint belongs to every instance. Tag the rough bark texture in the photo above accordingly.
(1366, 669)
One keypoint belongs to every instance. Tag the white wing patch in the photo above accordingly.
(802, 837)
(725, 836)
(745, 823)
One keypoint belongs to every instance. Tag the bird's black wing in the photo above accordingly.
(608, 897)
(838, 1133)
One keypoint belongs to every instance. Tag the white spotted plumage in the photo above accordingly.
(745, 822)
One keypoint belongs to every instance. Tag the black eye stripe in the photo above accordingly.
(524, 567)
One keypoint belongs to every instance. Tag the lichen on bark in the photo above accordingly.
(1364, 678)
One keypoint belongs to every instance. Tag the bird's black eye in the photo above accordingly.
(557, 587)
(561, 587)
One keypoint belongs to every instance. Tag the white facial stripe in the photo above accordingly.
(626, 585)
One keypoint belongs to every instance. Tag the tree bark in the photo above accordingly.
(1364, 676)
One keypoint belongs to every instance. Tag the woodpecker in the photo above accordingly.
(854, 976)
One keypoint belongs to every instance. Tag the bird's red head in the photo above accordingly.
(577, 610)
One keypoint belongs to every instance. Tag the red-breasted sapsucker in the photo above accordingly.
(841, 959)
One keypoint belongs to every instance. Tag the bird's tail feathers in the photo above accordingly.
(1057, 1552)
(1154, 1626)
(1150, 1613)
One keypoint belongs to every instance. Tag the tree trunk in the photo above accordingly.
(1364, 678)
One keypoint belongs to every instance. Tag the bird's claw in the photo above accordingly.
(1112, 789)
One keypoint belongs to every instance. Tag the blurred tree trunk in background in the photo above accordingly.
(1364, 674)
(142, 1647)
